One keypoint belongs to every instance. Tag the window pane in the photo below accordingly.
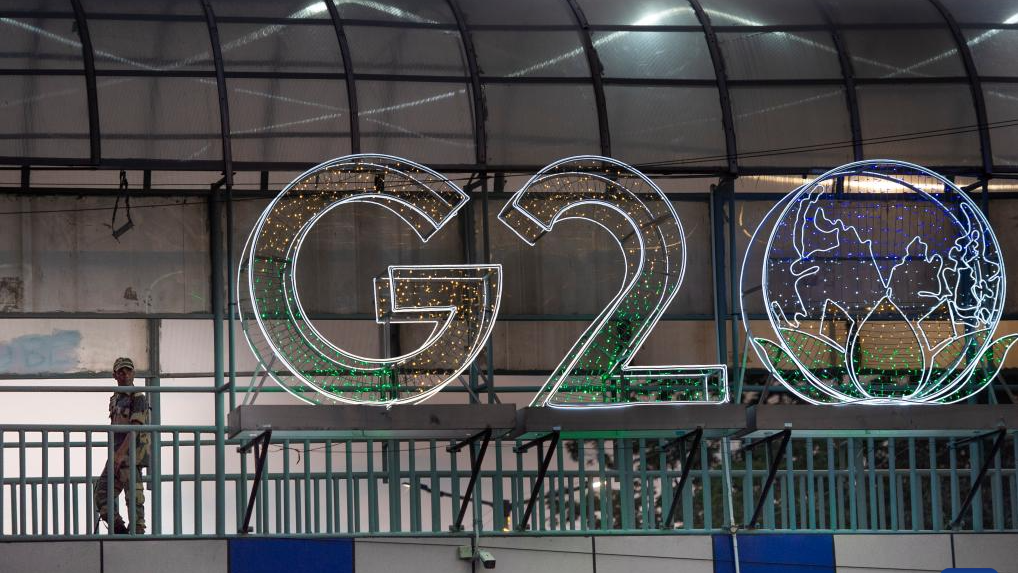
(303, 9)
(516, 54)
(429, 122)
(37, 43)
(681, 125)
(994, 51)
(756, 13)
(517, 12)
(162, 46)
(43, 116)
(72, 263)
(412, 11)
(1002, 106)
(903, 53)
(160, 118)
(406, 51)
(279, 48)
(886, 111)
(639, 13)
(983, 12)
(779, 55)
(883, 11)
(770, 122)
(537, 124)
(682, 55)
(287, 120)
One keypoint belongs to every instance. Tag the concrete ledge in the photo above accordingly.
(355, 421)
(897, 421)
(50, 557)
(633, 421)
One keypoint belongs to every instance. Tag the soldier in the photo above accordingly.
(125, 408)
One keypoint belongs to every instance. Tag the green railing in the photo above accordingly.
(416, 487)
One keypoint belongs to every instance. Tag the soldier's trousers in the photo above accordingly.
(121, 481)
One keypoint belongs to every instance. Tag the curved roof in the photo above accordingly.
(709, 86)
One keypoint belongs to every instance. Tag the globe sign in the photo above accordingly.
(882, 283)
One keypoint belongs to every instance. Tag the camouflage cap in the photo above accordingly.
(123, 363)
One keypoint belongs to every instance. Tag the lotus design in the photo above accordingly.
(882, 283)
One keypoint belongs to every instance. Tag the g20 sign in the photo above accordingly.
(461, 302)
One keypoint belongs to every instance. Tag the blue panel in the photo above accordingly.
(776, 554)
(304, 555)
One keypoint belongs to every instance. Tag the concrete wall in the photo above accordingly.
(804, 553)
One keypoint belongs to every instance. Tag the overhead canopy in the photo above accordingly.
(707, 86)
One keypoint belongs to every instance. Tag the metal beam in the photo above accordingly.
(351, 86)
(480, 104)
(224, 105)
(552, 440)
(476, 460)
(668, 521)
(848, 77)
(596, 76)
(88, 57)
(260, 444)
(975, 85)
(717, 58)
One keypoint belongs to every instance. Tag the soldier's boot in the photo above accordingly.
(118, 527)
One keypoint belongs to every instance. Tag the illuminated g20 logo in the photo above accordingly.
(881, 282)
(462, 301)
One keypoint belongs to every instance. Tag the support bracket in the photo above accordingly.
(668, 520)
(552, 440)
(475, 469)
(785, 435)
(260, 444)
(978, 483)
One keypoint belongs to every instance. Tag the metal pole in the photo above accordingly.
(216, 253)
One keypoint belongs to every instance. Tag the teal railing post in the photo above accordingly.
(218, 314)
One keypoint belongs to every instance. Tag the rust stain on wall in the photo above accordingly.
(12, 291)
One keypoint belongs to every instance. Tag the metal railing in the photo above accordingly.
(340, 487)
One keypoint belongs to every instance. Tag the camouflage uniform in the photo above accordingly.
(126, 409)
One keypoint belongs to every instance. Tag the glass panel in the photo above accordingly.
(416, 11)
(354, 244)
(983, 12)
(534, 12)
(537, 124)
(35, 43)
(638, 13)
(903, 53)
(769, 122)
(310, 9)
(576, 269)
(278, 48)
(160, 118)
(1002, 106)
(515, 54)
(681, 55)
(678, 126)
(1002, 214)
(883, 11)
(779, 55)
(887, 111)
(43, 116)
(406, 51)
(756, 13)
(429, 122)
(302, 121)
(69, 345)
(994, 51)
(64, 258)
(146, 7)
(162, 46)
